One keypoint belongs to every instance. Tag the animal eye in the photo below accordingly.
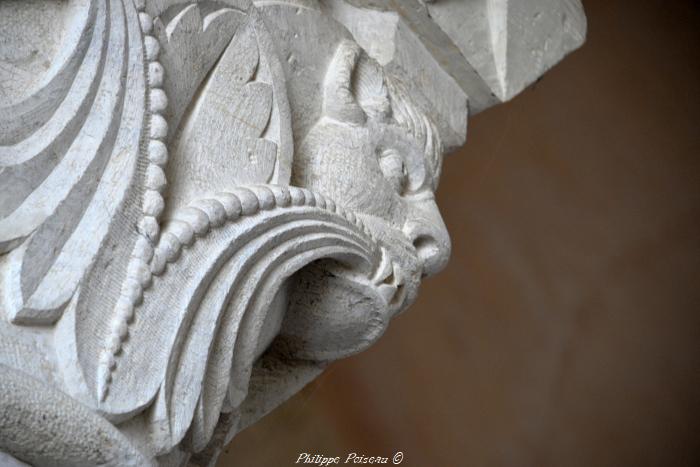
(394, 169)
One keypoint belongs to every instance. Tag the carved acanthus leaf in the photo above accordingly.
(75, 172)
(212, 278)
(233, 132)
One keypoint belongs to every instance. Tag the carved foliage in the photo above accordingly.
(168, 323)
(74, 173)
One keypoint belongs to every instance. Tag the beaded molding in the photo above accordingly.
(153, 144)
(199, 217)
(196, 221)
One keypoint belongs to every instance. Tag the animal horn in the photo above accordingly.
(339, 101)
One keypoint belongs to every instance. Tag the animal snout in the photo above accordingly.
(426, 230)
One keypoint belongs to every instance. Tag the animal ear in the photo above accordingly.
(339, 102)
(370, 89)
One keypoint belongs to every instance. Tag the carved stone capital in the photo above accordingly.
(202, 204)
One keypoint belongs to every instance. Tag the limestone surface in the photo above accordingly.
(203, 203)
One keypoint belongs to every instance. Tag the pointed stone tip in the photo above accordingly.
(102, 392)
(104, 377)
(540, 33)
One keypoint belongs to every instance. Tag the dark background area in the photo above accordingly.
(566, 329)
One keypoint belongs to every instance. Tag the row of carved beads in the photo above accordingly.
(138, 275)
(204, 215)
(197, 219)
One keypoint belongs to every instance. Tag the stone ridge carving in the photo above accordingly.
(203, 203)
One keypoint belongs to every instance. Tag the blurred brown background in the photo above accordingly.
(566, 329)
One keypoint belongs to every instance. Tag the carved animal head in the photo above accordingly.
(374, 153)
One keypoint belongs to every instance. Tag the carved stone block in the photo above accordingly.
(202, 204)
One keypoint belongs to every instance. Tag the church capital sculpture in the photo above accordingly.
(203, 203)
